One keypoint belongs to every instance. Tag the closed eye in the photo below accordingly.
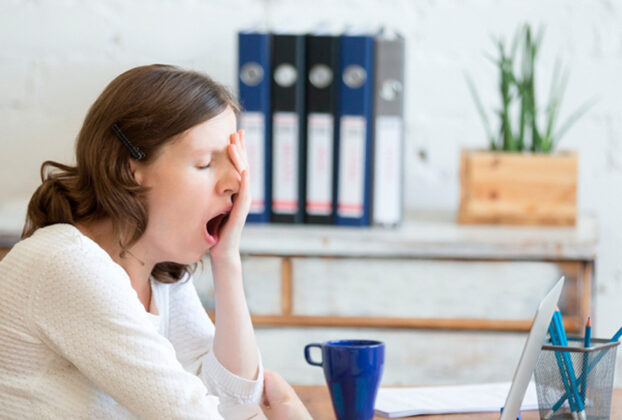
(205, 166)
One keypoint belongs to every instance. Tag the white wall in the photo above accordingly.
(57, 56)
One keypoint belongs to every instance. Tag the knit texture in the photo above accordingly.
(77, 343)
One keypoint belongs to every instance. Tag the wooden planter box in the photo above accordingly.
(518, 189)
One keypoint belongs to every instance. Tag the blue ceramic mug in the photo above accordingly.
(352, 369)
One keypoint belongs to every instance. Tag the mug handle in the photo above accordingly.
(308, 353)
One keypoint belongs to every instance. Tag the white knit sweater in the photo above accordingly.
(75, 341)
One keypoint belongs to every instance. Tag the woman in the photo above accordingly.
(98, 314)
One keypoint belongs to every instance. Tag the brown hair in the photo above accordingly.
(150, 105)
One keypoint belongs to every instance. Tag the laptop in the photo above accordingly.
(531, 351)
(401, 402)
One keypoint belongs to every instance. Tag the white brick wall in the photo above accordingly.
(56, 57)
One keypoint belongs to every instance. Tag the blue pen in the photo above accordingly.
(602, 354)
(587, 342)
(568, 363)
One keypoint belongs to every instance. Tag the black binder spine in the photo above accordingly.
(322, 85)
(288, 111)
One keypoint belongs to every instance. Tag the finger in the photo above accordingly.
(239, 210)
(238, 157)
(244, 193)
(243, 156)
(234, 154)
(241, 199)
(241, 144)
(241, 134)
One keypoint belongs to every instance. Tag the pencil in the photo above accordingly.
(587, 342)
(557, 316)
(556, 342)
(591, 366)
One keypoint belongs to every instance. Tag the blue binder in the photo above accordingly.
(355, 130)
(254, 95)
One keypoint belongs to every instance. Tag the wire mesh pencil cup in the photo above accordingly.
(593, 367)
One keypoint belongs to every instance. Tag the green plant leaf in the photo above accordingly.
(480, 110)
(578, 113)
(531, 128)
(558, 88)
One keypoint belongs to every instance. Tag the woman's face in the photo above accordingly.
(191, 181)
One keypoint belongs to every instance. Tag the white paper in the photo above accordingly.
(319, 164)
(254, 124)
(285, 161)
(387, 170)
(403, 402)
(351, 166)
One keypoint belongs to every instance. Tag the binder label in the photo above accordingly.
(387, 169)
(254, 124)
(351, 166)
(319, 199)
(285, 160)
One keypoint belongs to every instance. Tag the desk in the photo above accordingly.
(317, 401)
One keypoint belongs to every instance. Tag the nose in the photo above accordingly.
(229, 180)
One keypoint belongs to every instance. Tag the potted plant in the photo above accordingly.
(522, 179)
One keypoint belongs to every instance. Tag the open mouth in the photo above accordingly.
(213, 226)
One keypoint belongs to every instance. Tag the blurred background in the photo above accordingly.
(57, 56)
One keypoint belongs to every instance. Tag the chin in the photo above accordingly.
(193, 260)
(188, 259)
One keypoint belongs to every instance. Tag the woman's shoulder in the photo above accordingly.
(61, 246)
(58, 240)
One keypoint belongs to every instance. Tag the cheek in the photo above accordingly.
(177, 196)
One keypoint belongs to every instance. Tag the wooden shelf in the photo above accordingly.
(457, 324)
(427, 235)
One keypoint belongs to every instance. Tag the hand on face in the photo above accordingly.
(229, 236)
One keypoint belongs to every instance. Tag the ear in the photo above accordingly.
(137, 171)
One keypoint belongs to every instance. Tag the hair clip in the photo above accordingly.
(134, 151)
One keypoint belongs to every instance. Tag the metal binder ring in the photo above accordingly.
(390, 90)
(320, 76)
(285, 75)
(354, 76)
(251, 73)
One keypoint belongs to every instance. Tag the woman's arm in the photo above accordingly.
(192, 334)
(234, 343)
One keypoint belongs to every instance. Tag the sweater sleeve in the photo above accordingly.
(192, 334)
(86, 311)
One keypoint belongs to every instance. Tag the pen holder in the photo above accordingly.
(593, 367)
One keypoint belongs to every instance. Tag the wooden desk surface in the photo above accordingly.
(317, 401)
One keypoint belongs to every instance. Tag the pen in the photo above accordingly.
(587, 342)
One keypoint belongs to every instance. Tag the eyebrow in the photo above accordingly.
(209, 149)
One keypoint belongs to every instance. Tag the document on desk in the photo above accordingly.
(402, 402)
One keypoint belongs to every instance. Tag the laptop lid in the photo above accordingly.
(531, 351)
